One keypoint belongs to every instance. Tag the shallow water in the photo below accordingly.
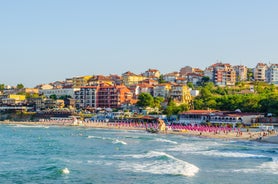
(38, 154)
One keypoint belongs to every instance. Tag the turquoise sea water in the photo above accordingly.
(41, 154)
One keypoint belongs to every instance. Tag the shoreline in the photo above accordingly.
(244, 135)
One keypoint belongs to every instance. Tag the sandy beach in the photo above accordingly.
(231, 135)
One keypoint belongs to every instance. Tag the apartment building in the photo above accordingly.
(259, 72)
(86, 97)
(152, 73)
(171, 77)
(77, 82)
(180, 94)
(223, 74)
(241, 72)
(162, 90)
(130, 78)
(113, 96)
(272, 74)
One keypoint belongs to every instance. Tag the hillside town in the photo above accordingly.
(90, 94)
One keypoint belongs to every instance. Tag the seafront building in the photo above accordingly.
(197, 117)
(103, 96)
(86, 97)
(115, 91)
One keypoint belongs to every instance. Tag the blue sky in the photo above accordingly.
(45, 41)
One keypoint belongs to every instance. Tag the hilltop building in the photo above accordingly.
(130, 78)
(272, 74)
(259, 72)
(222, 74)
(241, 72)
(180, 94)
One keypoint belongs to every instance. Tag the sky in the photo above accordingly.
(50, 40)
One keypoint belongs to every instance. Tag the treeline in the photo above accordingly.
(255, 97)
(247, 97)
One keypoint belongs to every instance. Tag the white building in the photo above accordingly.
(272, 74)
(260, 72)
(58, 92)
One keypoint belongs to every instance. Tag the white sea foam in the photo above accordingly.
(172, 165)
(65, 171)
(31, 126)
(229, 154)
(193, 147)
(166, 140)
(271, 167)
(266, 167)
(116, 141)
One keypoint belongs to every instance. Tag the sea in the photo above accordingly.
(57, 154)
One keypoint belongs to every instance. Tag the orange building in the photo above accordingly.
(113, 96)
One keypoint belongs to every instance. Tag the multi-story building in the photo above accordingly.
(185, 70)
(208, 72)
(223, 74)
(241, 72)
(162, 90)
(272, 74)
(37, 103)
(194, 78)
(259, 72)
(99, 79)
(77, 82)
(86, 97)
(152, 73)
(188, 69)
(145, 88)
(14, 99)
(113, 96)
(171, 77)
(131, 78)
(180, 94)
(68, 83)
(116, 79)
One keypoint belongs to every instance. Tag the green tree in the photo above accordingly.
(158, 101)
(63, 97)
(19, 86)
(161, 79)
(174, 109)
(250, 76)
(2, 87)
(145, 100)
(204, 81)
(32, 95)
(190, 85)
(54, 97)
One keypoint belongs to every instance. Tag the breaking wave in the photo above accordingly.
(160, 163)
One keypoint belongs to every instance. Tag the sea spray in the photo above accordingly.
(65, 171)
